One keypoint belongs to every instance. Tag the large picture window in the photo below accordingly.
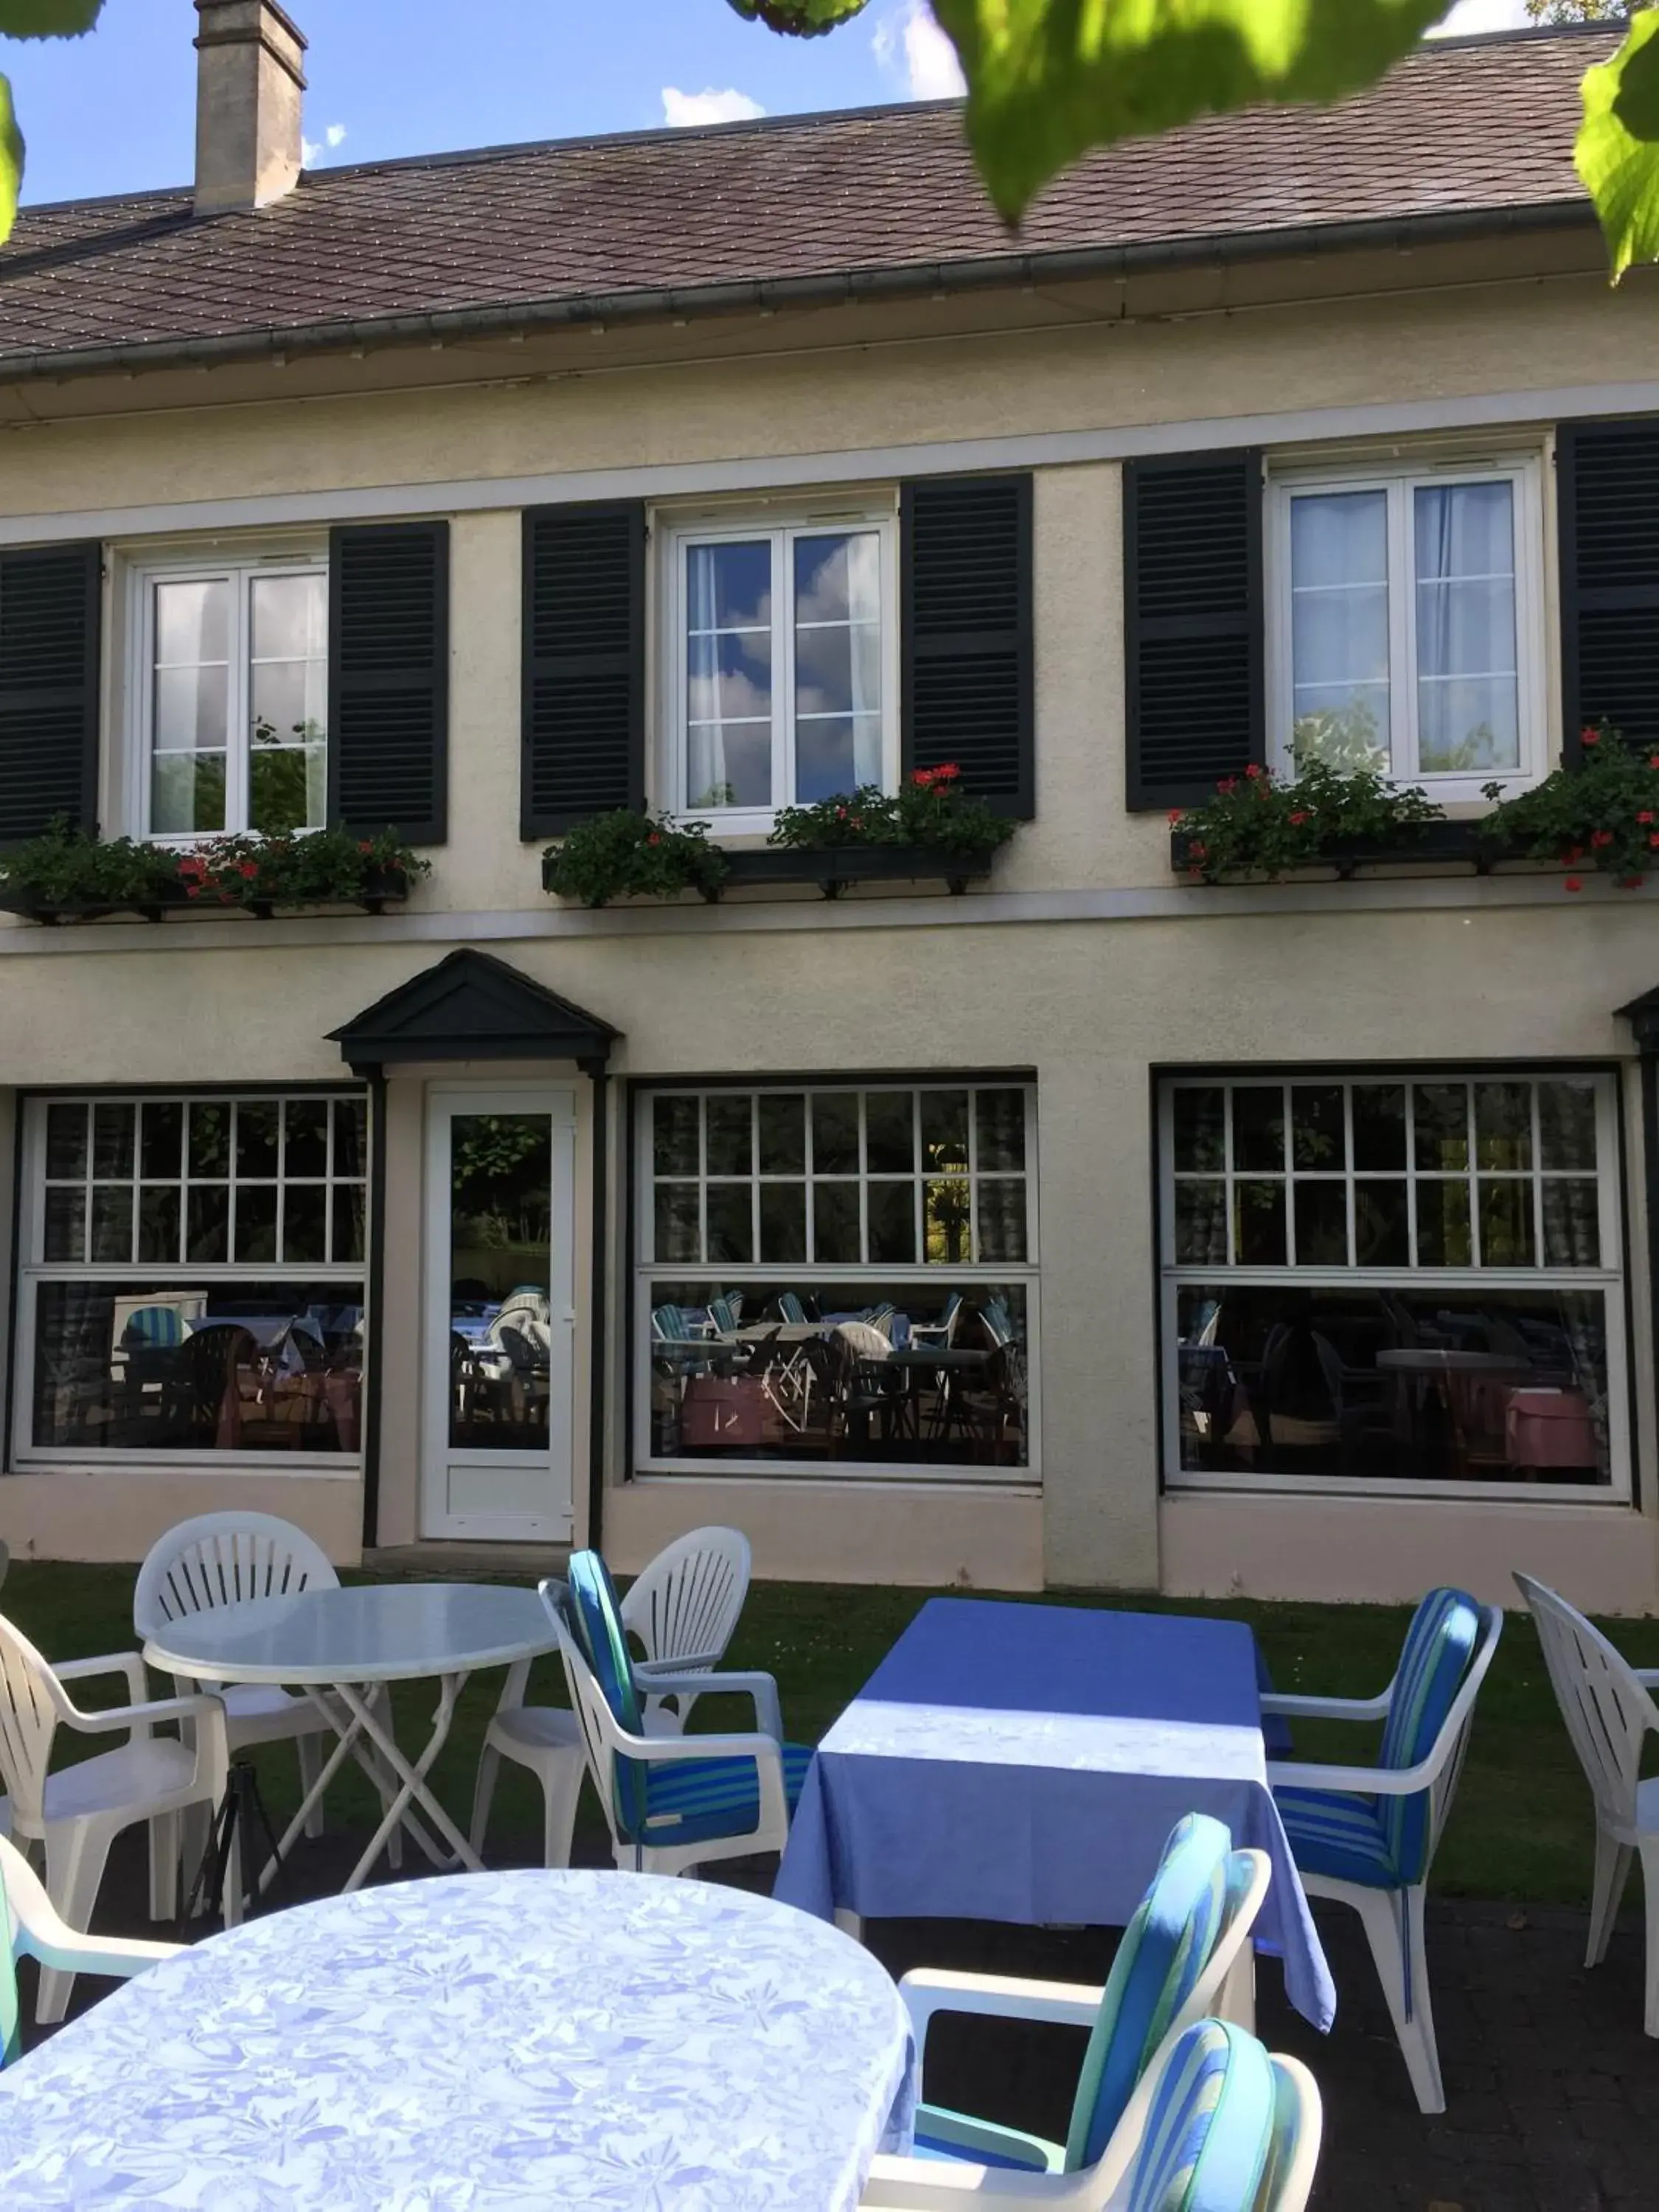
(1393, 1281)
(834, 1274)
(230, 685)
(1408, 636)
(781, 660)
(192, 1276)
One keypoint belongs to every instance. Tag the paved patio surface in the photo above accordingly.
(1552, 2088)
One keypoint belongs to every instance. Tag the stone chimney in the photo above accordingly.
(249, 80)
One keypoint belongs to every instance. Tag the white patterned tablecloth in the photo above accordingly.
(478, 2041)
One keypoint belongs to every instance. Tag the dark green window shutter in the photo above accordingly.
(1193, 639)
(50, 608)
(1607, 500)
(583, 686)
(388, 679)
(965, 634)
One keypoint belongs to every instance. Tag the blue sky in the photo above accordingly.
(115, 111)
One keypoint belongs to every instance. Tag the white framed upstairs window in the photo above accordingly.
(779, 661)
(229, 685)
(1406, 628)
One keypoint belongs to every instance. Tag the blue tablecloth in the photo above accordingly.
(1026, 1763)
(504, 2040)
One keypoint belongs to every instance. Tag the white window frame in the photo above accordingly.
(31, 1270)
(240, 567)
(1609, 1278)
(647, 1268)
(1398, 480)
(781, 525)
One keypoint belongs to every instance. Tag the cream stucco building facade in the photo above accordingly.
(1082, 975)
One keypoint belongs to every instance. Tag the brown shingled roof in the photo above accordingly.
(867, 201)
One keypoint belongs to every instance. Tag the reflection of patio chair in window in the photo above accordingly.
(215, 1358)
(1302, 1405)
(793, 1312)
(726, 1312)
(874, 1397)
(989, 1408)
(942, 1331)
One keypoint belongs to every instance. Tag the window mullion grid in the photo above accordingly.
(702, 1178)
(1472, 1178)
(1351, 1204)
(919, 1173)
(238, 688)
(1287, 1171)
(807, 1160)
(754, 1176)
(783, 672)
(1411, 1175)
(1402, 632)
(1537, 1177)
(864, 1179)
(1230, 1091)
(973, 1177)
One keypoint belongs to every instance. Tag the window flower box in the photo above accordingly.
(833, 867)
(1437, 844)
(64, 878)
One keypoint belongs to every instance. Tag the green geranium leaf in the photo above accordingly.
(1047, 79)
(1636, 101)
(799, 19)
(1621, 169)
(47, 19)
(11, 161)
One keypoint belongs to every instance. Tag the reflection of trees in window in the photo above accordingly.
(501, 1180)
(1341, 736)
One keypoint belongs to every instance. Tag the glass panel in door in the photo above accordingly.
(500, 1216)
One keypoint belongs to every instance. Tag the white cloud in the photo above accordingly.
(313, 149)
(908, 42)
(1470, 16)
(683, 110)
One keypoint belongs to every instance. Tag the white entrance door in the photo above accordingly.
(500, 1313)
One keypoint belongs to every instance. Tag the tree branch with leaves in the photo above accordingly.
(31, 18)
(1049, 79)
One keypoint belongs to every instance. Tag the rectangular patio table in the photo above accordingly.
(1026, 1763)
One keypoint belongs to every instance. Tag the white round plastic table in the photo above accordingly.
(338, 1645)
(556, 2041)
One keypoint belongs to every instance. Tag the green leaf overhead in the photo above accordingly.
(1048, 79)
(48, 19)
(11, 161)
(1636, 101)
(799, 19)
(1620, 168)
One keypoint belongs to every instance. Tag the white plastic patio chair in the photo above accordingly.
(77, 1813)
(1216, 2124)
(683, 1608)
(673, 1803)
(1184, 1956)
(1366, 1836)
(1609, 1712)
(31, 1929)
(218, 1559)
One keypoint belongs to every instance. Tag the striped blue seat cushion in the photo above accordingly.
(1165, 1947)
(1337, 1836)
(1439, 1645)
(694, 1800)
(1209, 2127)
(1383, 1842)
(595, 1621)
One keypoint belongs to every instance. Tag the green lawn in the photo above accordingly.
(1521, 1828)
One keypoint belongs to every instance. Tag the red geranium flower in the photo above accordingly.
(248, 869)
(1572, 884)
(1298, 817)
(1589, 737)
(1198, 852)
(1646, 815)
(1175, 814)
(1228, 785)
(1601, 837)
(947, 772)
(1574, 852)
(654, 839)
(363, 845)
(1253, 771)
